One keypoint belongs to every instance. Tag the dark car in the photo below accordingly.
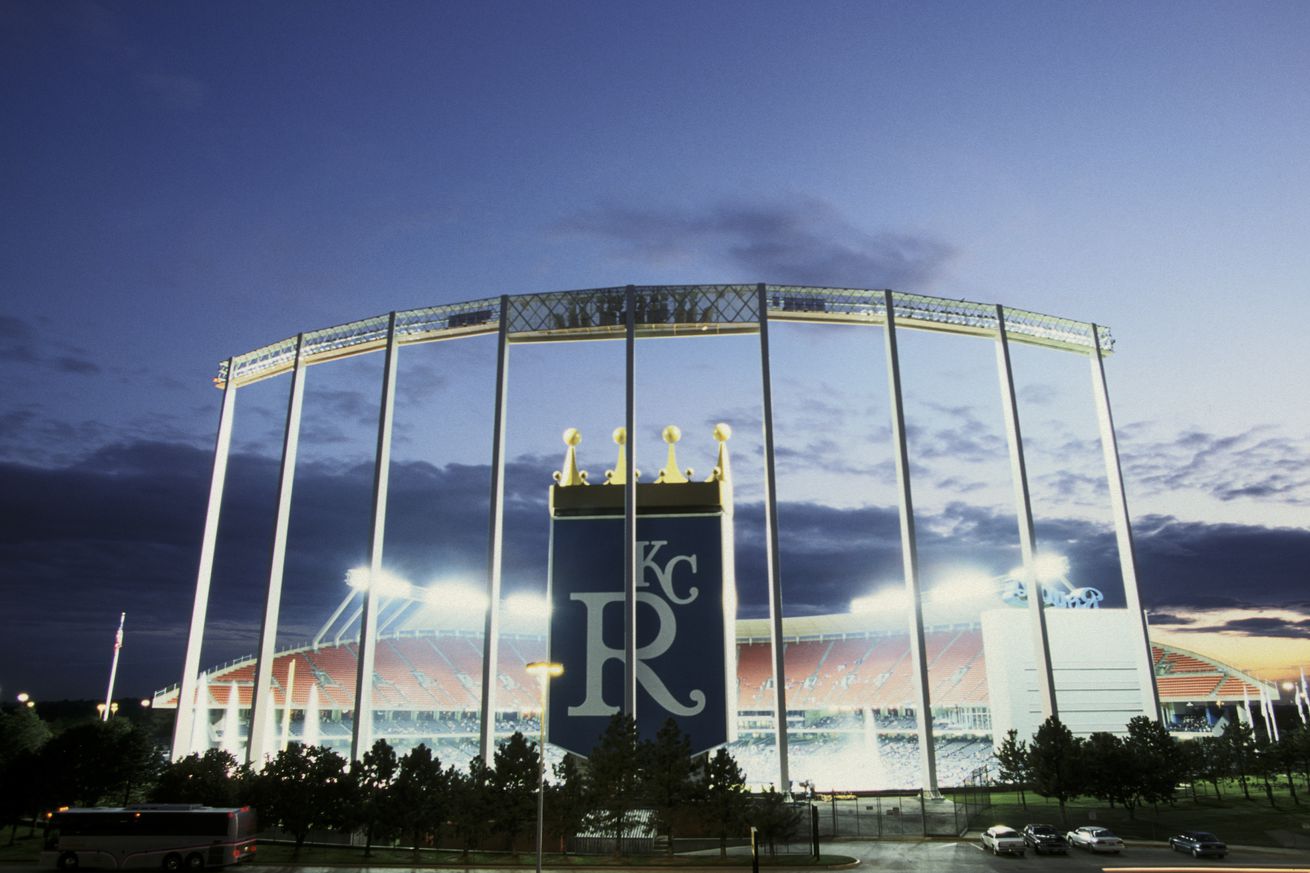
(1198, 843)
(1043, 838)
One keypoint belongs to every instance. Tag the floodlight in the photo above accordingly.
(885, 600)
(964, 585)
(456, 597)
(1050, 568)
(527, 606)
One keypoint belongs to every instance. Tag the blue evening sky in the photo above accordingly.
(182, 182)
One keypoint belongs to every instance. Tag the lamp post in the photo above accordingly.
(544, 671)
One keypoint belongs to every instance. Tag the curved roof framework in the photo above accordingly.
(664, 310)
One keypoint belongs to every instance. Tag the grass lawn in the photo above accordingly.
(28, 851)
(353, 856)
(1232, 817)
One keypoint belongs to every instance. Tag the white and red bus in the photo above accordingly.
(168, 836)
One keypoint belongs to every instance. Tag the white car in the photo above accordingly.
(1003, 840)
(1095, 839)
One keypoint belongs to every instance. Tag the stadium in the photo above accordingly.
(911, 688)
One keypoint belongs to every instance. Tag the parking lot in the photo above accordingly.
(968, 856)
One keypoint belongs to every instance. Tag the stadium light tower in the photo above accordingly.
(544, 671)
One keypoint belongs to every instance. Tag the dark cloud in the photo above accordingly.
(120, 530)
(1251, 464)
(1259, 626)
(804, 240)
(1168, 618)
(21, 343)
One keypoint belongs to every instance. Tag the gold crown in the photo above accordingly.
(669, 474)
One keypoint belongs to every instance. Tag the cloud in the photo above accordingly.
(120, 530)
(1252, 464)
(21, 343)
(804, 240)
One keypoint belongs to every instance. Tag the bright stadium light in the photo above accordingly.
(886, 600)
(1048, 567)
(524, 605)
(456, 597)
(964, 585)
(1051, 568)
(388, 583)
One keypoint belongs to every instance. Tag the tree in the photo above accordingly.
(97, 762)
(567, 802)
(1106, 773)
(421, 795)
(1155, 760)
(303, 788)
(774, 819)
(1012, 761)
(670, 776)
(1056, 761)
(1239, 749)
(514, 785)
(474, 805)
(370, 785)
(207, 779)
(615, 766)
(1213, 760)
(724, 796)
(22, 735)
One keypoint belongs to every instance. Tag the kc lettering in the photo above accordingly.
(599, 654)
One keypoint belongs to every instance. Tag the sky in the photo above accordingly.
(182, 183)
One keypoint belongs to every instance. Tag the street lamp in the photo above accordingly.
(544, 671)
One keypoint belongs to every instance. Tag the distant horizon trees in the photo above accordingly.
(1147, 765)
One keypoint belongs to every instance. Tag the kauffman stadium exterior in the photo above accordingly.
(910, 688)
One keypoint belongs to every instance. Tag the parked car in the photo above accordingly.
(1044, 838)
(1095, 839)
(1003, 840)
(1198, 843)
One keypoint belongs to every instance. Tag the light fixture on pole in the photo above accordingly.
(544, 671)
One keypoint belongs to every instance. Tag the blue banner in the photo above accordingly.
(686, 609)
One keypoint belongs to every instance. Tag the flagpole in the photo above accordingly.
(113, 669)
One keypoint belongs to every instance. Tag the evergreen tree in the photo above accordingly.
(724, 796)
(670, 776)
(514, 786)
(473, 807)
(1106, 774)
(567, 801)
(1155, 760)
(421, 795)
(1012, 761)
(615, 766)
(1239, 751)
(774, 819)
(371, 784)
(1056, 761)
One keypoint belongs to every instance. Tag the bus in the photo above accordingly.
(171, 836)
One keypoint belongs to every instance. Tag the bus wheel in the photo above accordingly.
(173, 862)
(68, 861)
(195, 861)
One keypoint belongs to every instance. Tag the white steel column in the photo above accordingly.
(261, 703)
(1123, 529)
(361, 737)
(910, 558)
(186, 692)
(495, 539)
(1024, 512)
(630, 508)
(771, 550)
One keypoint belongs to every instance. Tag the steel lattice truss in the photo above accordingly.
(664, 310)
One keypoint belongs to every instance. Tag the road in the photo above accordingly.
(940, 856)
